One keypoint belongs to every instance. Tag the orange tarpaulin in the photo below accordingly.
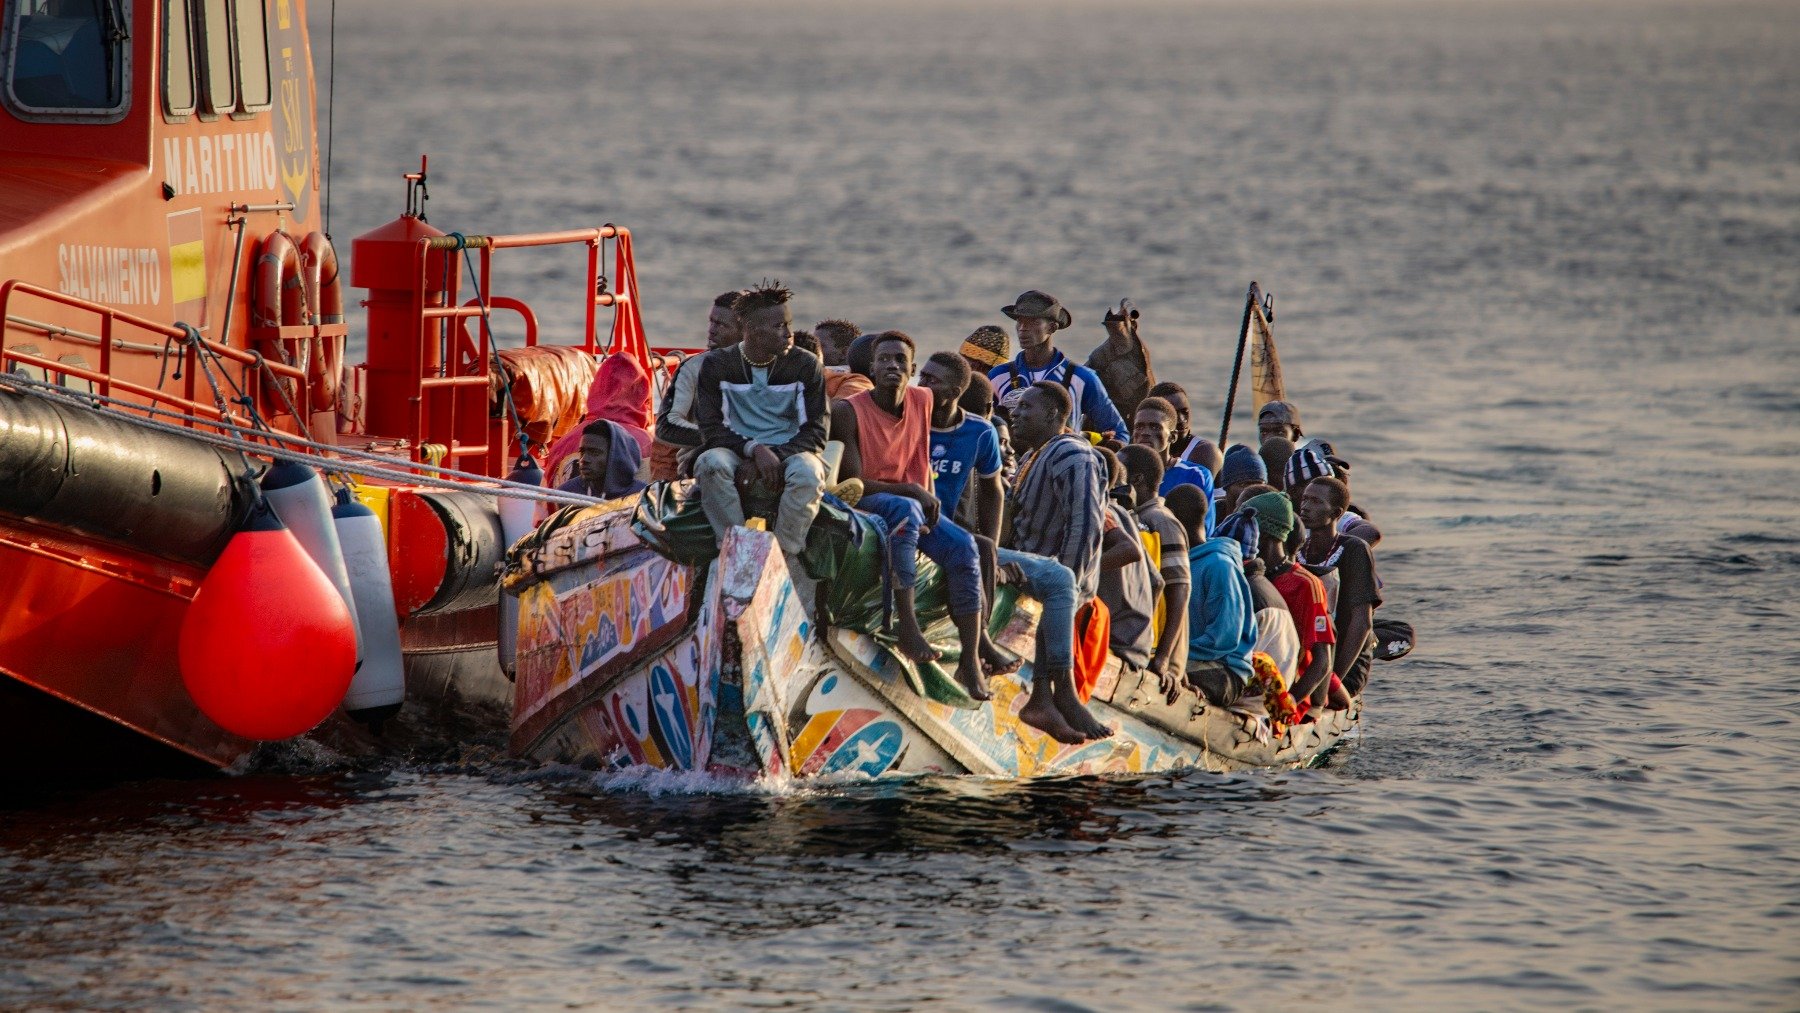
(549, 383)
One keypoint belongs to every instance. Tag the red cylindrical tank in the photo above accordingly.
(385, 261)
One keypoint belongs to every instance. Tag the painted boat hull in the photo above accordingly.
(628, 658)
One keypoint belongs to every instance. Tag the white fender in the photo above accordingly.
(518, 518)
(298, 495)
(380, 685)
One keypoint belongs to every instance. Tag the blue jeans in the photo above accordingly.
(947, 545)
(1053, 585)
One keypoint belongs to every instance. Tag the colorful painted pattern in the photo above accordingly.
(662, 714)
(848, 728)
(576, 625)
(810, 706)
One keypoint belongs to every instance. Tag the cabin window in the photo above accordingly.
(178, 61)
(67, 60)
(227, 42)
(251, 31)
(218, 80)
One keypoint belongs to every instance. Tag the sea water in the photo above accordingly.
(1535, 276)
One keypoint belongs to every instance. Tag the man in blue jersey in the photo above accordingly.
(965, 448)
(965, 457)
(1040, 316)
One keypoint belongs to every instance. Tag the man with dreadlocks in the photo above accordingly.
(760, 405)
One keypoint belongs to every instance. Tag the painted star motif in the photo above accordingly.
(869, 753)
(665, 702)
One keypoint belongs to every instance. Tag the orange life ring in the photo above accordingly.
(325, 299)
(277, 299)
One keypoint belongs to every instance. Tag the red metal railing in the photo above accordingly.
(451, 409)
(173, 339)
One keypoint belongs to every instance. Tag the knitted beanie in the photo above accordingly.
(989, 345)
(1274, 514)
(1241, 527)
(1304, 466)
(1242, 465)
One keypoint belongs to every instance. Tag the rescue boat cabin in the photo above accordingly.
(162, 255)
(161, 210)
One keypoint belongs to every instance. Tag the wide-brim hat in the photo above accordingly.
(1039, 304)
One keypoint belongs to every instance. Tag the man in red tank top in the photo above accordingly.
(886, 434)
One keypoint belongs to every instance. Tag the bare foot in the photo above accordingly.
(1068, 704)
(913, 644)
(968, 675)
(1040, 712)
(997, 660)
(1080, 719)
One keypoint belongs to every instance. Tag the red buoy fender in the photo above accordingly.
(267, 648)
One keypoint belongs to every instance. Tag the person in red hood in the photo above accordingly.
(620, 394)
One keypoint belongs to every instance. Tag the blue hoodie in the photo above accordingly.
(1221, 610)
(622, 460)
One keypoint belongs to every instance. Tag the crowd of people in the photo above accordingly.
(1217, 570)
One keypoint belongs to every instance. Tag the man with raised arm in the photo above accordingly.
(1059, 508)
(1040, 316)
(886, 434)
(760, 405)
(1122, 362)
